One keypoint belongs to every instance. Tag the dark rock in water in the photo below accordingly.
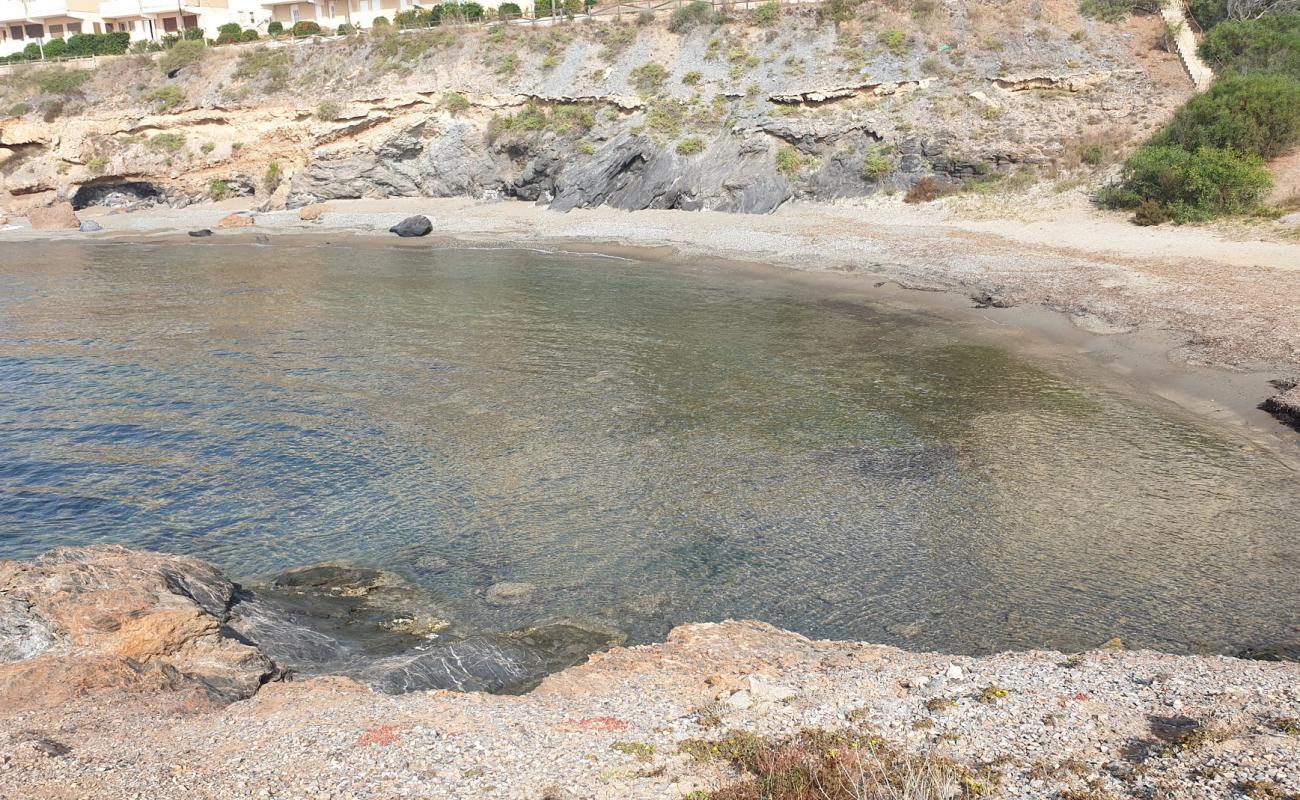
(201, 232)
(477, 664)
(509, 663)
(319, 617)
(1271, 652)
(90, 226)
(412, 226)
(1286, 404)
(372, 625)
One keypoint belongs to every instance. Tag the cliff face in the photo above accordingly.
(725, 114)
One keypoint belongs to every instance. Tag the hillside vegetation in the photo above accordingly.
(1210, 160)
(845, 98)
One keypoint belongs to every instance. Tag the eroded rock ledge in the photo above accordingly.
(99, 643)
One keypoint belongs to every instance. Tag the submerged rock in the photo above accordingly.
(509, 593)
(412, 226)
(201, 232)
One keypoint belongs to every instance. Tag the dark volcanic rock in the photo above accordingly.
(371, 625)
(1285, 405)
(412, 226)
(201, 232)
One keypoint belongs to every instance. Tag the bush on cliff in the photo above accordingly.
(1190, 186)
(275, 27)
(182, 54)
(1267, 44)
(1255, 114)
(305, 28)
(509, 11)
(690, 16)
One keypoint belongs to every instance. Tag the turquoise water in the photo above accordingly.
(649, 446)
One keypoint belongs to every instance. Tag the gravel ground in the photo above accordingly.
(1041, 723)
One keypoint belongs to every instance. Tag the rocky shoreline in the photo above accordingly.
(123, 674)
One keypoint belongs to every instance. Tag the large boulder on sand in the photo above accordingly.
(412, 226)
(313, 212)
(58, 217)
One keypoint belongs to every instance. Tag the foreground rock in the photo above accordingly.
(641, 722)
(80, 620)
(412, 226)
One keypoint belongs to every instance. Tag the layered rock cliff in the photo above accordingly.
(731, 113)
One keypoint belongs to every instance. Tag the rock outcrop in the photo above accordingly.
(77, 620)
(1285, 405)
(83, 620)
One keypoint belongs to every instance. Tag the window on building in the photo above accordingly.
(56, 31)
(35, 32)
(169, 25)
(16, 33)
(191, 21)
(331, 10)
(74, 27)
(293, 13)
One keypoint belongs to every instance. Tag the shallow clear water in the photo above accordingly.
(649, 446)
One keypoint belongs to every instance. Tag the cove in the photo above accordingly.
(640, 446)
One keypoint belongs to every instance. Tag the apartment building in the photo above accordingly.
(25, 21)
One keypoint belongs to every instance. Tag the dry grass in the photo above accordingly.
(822, 765)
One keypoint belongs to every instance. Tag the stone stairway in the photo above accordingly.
(1175, 16)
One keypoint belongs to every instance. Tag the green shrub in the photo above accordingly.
(1257, 114)
(379, 22)
(877, 164)
(1149, 212)
(509, 11)
(230, 29)
(692, 78)
(690, 146)
(169, 143)
(1190, 187)
(767, 13)
(182, 54)
(347, 30)
(167, 97)
(790, 162)
(59, 80)
(328, 111)
(649, 77)
(275, 27)
(98, 44)
(304, 28)
(55, 48)
(19, 109)
(690, 16)
(1208, 13)
(1107, 10)
(267, 66)
(838, 10)
(896, 41)
(271, 180)
(249, 35)
(454, 103)
(1267, 44)
(218, 190)
(192, 35)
